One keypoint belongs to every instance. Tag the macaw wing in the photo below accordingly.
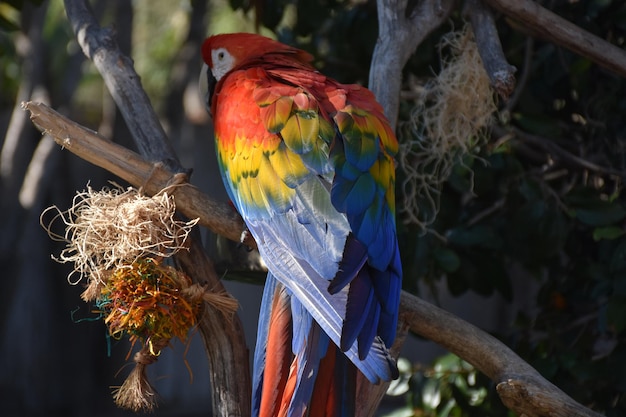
(364, 188)
(311, 290)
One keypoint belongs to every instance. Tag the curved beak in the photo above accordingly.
(207, 86)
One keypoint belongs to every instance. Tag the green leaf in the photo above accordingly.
(538, 124)
(602, 213)
(431, 394)
(536, 232)
(7, 25)
(591, 210)
(616, 313)
(530, 190)
(607, 232)
(618, 259)
(447, 259)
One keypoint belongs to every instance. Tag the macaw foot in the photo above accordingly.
(245, 239)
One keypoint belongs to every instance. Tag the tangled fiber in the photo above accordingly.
(449, 121)
(113, 227)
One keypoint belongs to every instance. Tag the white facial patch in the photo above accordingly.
(223, 62)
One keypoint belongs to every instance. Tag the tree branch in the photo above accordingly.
(521, 387)
(500, 72)
(557, 152)
(400, 31)
(119, 75)
(553, 28)
(131, 167)
(402, 26)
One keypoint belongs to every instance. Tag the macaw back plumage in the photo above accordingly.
(308, 163)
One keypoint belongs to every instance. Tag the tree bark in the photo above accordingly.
(131, 167)
(118, 73)
(500, 72)
(402, 26)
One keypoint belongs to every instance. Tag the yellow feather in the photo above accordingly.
(288, 166)
(300, 131)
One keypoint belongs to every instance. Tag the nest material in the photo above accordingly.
(113, 227)
(449, 121)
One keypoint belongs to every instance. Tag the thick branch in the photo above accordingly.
(520, 386)
(119, 75)
(553, 28)
(228, 356)
(402, 26)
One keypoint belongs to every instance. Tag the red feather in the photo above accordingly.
(279, 357)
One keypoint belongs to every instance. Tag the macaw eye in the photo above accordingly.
(220, 55)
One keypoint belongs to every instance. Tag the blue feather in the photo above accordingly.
(352, 260)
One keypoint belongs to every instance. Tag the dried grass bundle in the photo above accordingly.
(113, 227)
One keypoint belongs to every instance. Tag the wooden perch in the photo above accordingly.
(123, 83)
(521, 387)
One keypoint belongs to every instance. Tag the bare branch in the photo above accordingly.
(131, 167)
(119, 75)
(543, 23)
(402, 26)
(501, 73)
(557, 152)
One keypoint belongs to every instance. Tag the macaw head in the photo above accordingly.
(223, 53)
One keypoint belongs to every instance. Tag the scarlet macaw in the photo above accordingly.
(308, 163)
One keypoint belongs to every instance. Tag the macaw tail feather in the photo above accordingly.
(335, 388)
(298, 371)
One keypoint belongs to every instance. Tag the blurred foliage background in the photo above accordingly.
(539, 205)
